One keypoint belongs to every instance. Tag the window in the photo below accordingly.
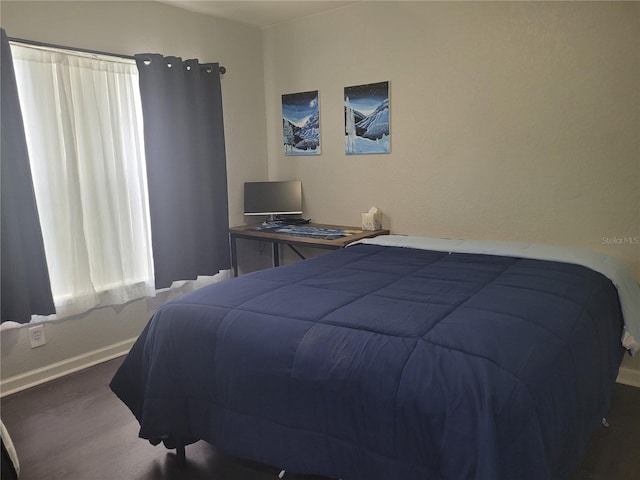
(83, 123)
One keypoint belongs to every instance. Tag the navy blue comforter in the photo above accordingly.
(385, 363)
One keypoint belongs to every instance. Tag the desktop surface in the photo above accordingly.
(314, 235)
(307, 230)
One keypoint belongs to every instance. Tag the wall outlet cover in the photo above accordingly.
(36, 336)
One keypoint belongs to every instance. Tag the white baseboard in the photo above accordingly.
(629, 376)
(42, 375)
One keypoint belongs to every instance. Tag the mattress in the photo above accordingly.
(382, 361)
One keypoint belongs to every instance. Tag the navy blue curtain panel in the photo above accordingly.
(25, 287)
(186, 167)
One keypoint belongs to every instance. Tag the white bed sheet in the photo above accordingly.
(615, 270)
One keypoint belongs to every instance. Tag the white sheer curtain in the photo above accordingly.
(83, 124)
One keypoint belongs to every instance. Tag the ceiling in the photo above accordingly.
(259, 13)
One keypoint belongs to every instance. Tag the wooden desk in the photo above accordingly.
(248, 232)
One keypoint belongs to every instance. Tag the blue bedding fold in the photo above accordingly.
(377, 362)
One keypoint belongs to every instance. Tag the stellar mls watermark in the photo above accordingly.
(626, 240)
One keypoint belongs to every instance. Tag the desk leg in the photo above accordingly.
(276, 255)
(234, 256)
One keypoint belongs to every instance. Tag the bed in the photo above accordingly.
(395, 358)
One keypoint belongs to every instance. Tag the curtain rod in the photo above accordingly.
(221, 69)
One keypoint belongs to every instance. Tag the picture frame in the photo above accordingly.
(367, 119)
(301, 123)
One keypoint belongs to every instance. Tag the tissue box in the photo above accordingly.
(372, 221)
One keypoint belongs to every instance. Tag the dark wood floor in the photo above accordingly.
(74, 428)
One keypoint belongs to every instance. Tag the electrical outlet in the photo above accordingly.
(36, 336)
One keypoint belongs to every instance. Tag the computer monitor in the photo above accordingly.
(273, 198)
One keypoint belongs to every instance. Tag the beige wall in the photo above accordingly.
(129, 28)
(510, 120)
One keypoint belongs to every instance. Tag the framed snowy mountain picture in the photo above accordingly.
(301, 123)
(366, 119)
